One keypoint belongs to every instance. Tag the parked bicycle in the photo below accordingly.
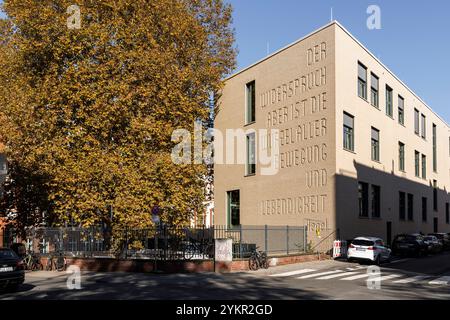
(56, 261)
(257, 260)
(32, 261)
(200, 249)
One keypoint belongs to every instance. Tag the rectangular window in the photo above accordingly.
(401, 110)
(376, 201)
(374, 96)
(417, 163)
(402, 205)
(435, 195)
(363, 199)
(447, 213)
(434, 148)
(251, 103)
(389, 100)
(233, 208)
(251, 154)
(349, 132)
(424, 126)
(401, 156)
(424, 166)
(362, 81)
(424, 209)
(416, 121)
(375, 138)
(410, 207)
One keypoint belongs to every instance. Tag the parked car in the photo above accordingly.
(434, 244)
(12, 273)
(409, 244)
(444, 237)
(368, 249)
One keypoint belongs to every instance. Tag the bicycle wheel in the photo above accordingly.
(49, 266)
(253, 263)
(60, 264)
(188, 252)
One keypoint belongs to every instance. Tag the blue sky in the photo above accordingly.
(414, 41)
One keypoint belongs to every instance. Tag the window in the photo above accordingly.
(348, 132)
(434, 148)
(417, 163)
(363, 198)
(251, 154)
(424, 209)
(435, 196)
(402, 205)
(416, 121)
(401, 110)
(389, 108)
(374, 96)
(401, 156)
(424, 126)
(233, 199)
(251, 103)
(375, 144)
(424, 166)
(362, 81)
(447, 213)
(376, 201)
(410, 207)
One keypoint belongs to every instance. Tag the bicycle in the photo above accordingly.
(257, 260)
(56, 261)
(200, 248)
(32, 261)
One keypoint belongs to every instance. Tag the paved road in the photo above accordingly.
(422, 278)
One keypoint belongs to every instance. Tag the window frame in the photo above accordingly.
(362, 83)
(250, 111)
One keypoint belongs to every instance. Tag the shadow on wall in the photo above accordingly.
(389, 223)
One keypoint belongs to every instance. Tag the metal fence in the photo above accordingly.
(173, 243)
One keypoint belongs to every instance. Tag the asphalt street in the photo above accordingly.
(410, 278)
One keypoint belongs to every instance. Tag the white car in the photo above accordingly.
(368, 249)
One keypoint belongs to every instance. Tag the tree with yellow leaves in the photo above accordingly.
(87, 112)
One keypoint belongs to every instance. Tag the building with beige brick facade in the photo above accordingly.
(359, 152)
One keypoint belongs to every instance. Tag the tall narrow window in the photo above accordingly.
(402, 205)
(416, 121)
(401, 110)
(389, 108)
(435, 195)
(363, 199)
(375, 144)
(376, 201)
(362, 81)
(424, 209)
(251, 103)
(417, 163)
(424, 126)
(434, 148)
(374, 96)
(233, 208)
(410, 207)
(424, 166)
(251, 154)
(349, 132)
(401, 156)
(447, 213)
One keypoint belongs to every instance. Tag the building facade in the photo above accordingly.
(359, 152)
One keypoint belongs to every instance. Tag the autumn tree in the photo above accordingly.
(87, 114)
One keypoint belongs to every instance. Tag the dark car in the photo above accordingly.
(19, 249)
(409, 244)
(12, 273)
(445, 239)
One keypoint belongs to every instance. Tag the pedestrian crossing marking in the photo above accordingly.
(360, 276)
(337, 275)
(411, 279)
(319, 274)
(440, 281)
(292, 273)
(389, 277)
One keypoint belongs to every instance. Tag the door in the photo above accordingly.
(388, 233)
(436, 222)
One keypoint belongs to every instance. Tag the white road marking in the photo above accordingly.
(344, 274)
(319, 274)
(384, 278)
(360, 276)
(292, 273)
(440, 281)
(411, 279)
